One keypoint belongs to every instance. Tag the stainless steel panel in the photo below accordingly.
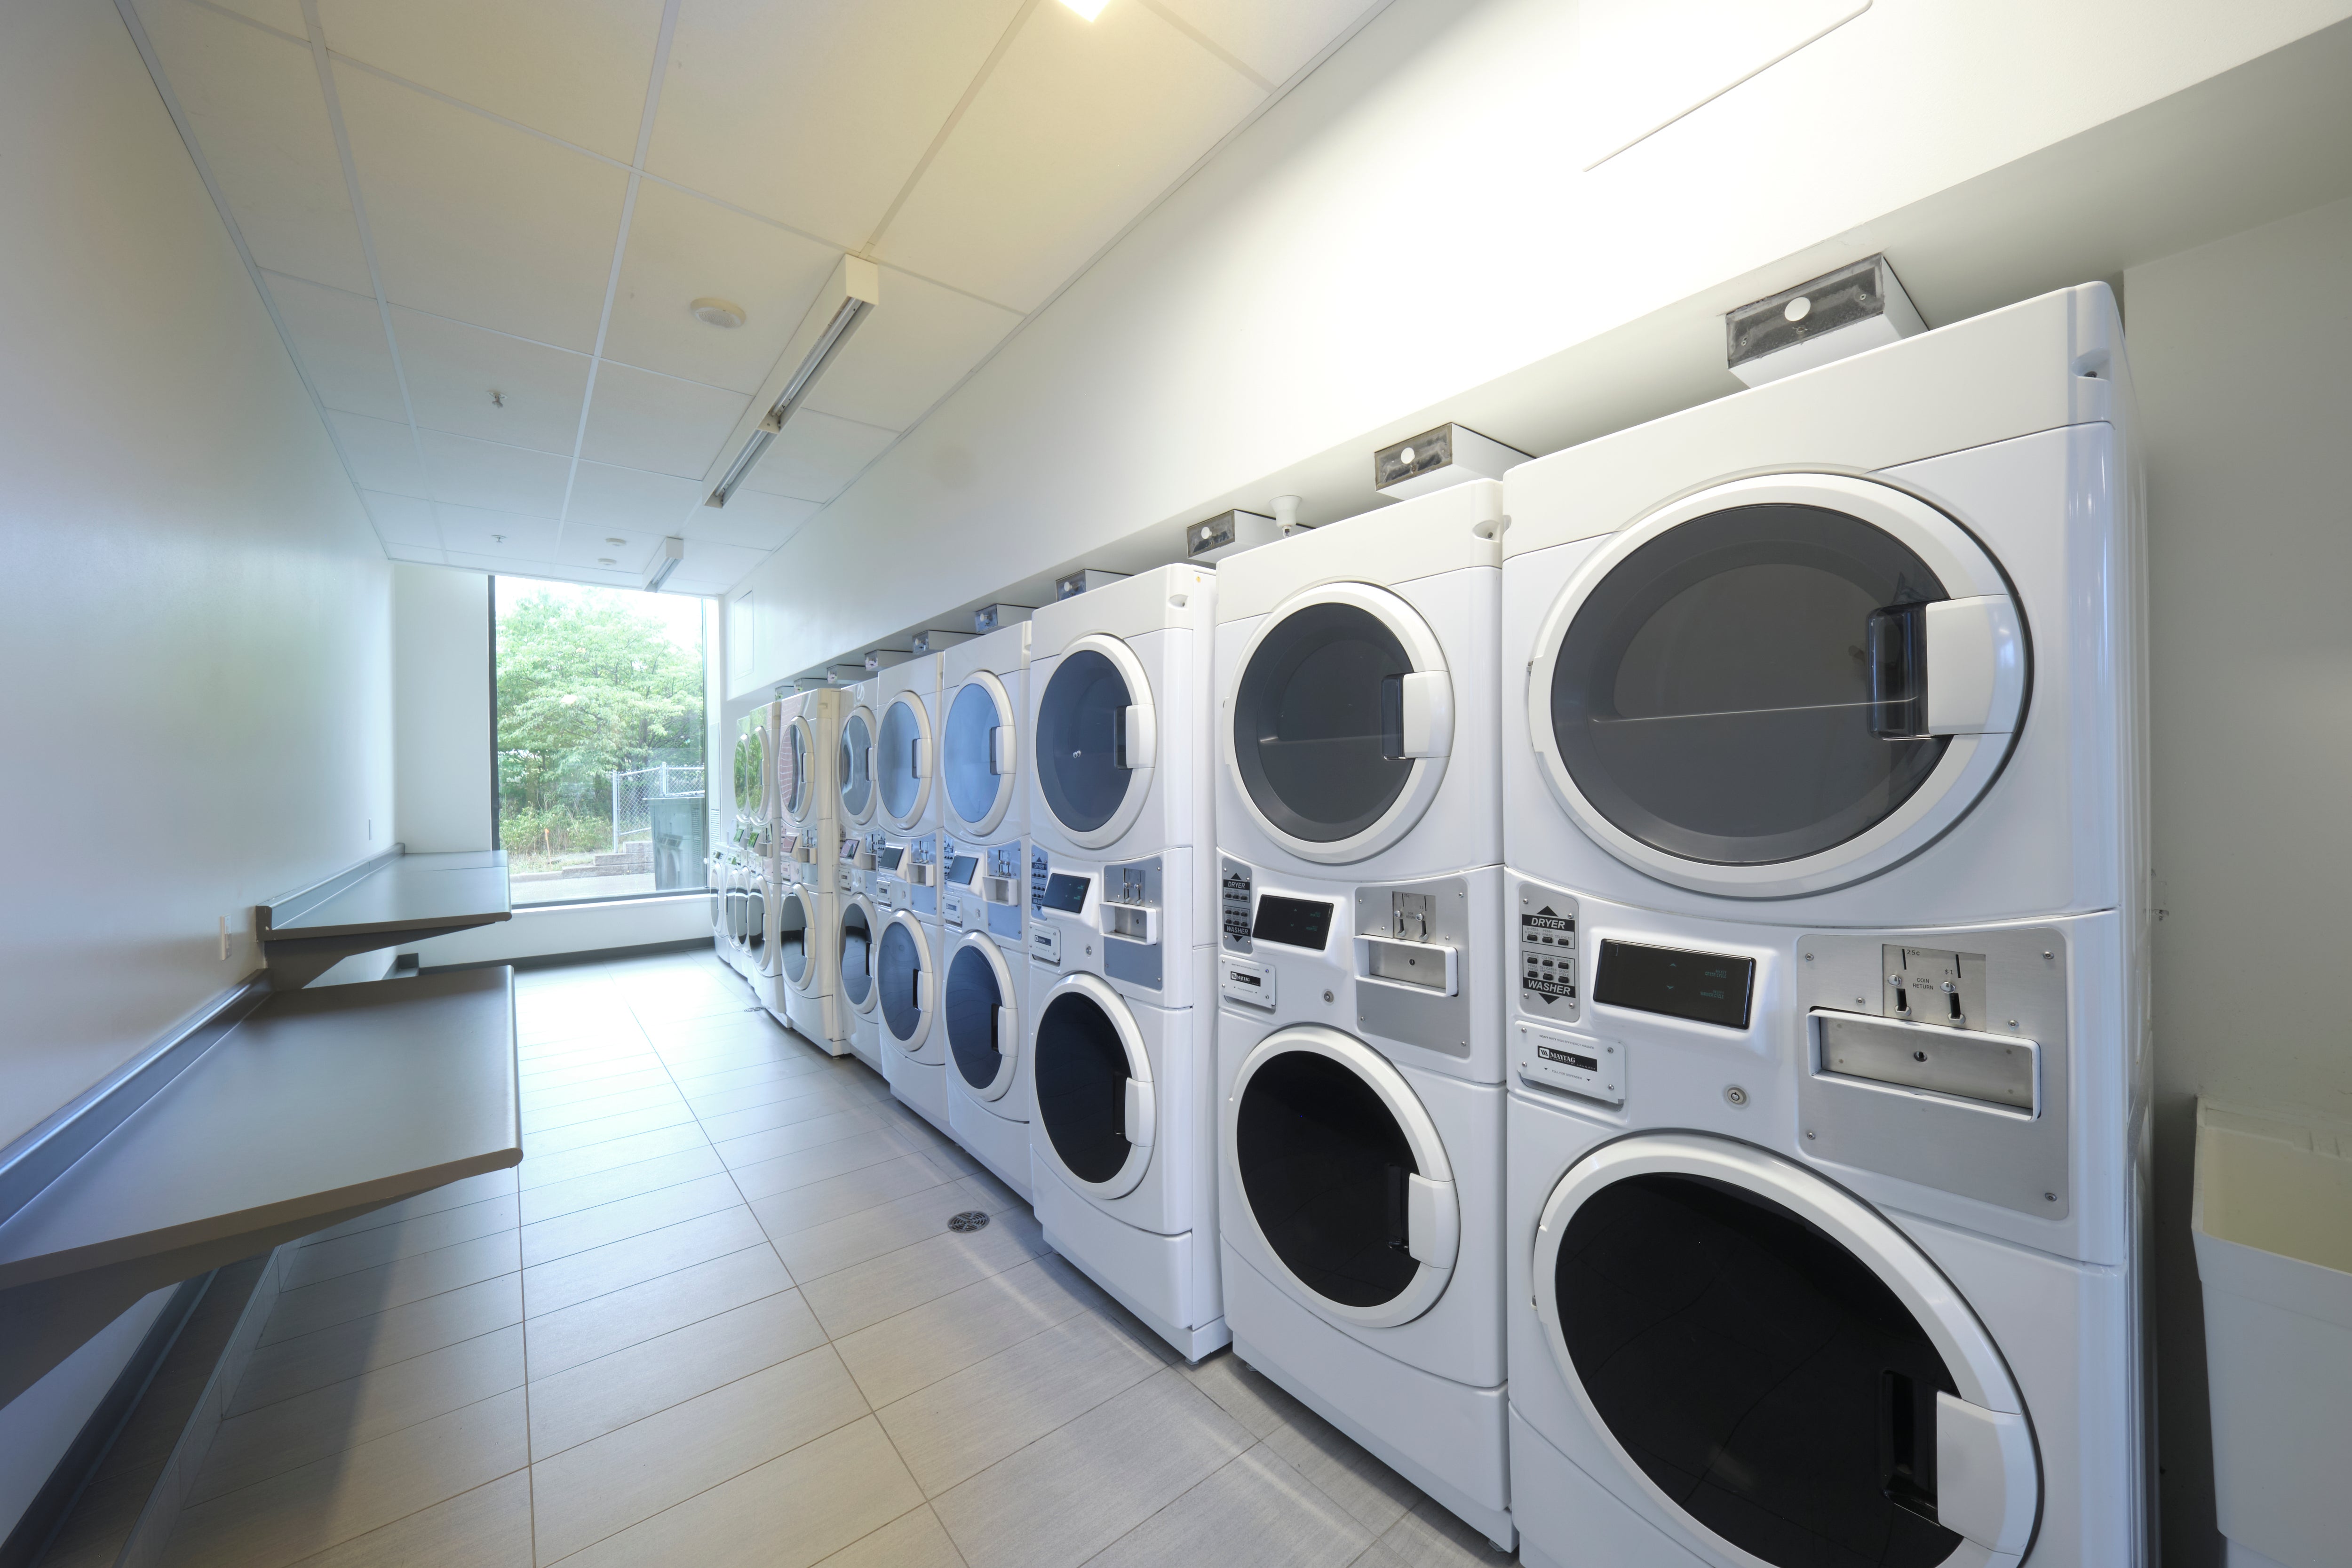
(1405, 1010)
(1958, 1062)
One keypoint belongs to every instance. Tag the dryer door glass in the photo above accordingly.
(1760, 1373)
(1319, 721)
(856, 789)
(794, 785)
(793, 938)
(1324, 1164)
(856, 955)
(747, 770)
(1078, 761)
(898, 971)
(894, 760)
(967, 752)
(1082, 1069)
(972, 999)
(1713, 695)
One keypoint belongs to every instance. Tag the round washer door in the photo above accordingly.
(902, 760)
(903, 980)
(1774, 1363)
(978, 746)
(1779, 686)
(858, 921)
(1343, 1176)
(1097, 740)
(984, 1026)
(796, 769)
(1095, 1093)
(857, 767)
(1341, 721)
(756, 894)
(751, 772)
(793, 955)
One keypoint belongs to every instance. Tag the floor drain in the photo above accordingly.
(970, 1219)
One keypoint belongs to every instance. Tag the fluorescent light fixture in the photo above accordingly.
(848, 297)
(673, 550)
(1089, 9)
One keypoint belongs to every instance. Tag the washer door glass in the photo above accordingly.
(1081, 766)
(748, 770)
(1081, 1065)
(1713, 697)
(1761, 1374)
(967, 754)
(1324, 1164)
(856, 788)
(898, 972)
(794, 785)
(896, 760)
(1318, 719)
(792, 937)
(973, 997)
(856, 955)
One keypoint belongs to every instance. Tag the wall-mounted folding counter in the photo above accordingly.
(389, 901)
(312, 1108)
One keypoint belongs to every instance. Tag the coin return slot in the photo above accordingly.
(1988, 1070)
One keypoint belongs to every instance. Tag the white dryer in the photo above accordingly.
(1360, 1061)
(808, 851)
(863, 917)
(853, 760)
(984, 701)
(984, 1003)
(908, 961)
(906, 747)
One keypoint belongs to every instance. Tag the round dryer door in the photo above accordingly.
(750, 771)
(1779, 686)
(1093, 1080)
(1778, 1366)
(856, 769)
(902, 760)
(857, 923)
(1343, 1176)
(796, 769)
(795, 928)
(903, 980)
(984, 1026)
(1342, 717)
(1097, 740)
(977, 748)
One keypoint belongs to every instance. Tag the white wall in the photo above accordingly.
(441, 708)
(194, 615)
(1411, 227)
(2243, 352)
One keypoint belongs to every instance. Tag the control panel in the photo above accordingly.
(1236, 886)
(1547, 963)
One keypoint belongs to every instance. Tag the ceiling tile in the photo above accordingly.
(628, 501)
(816, 454)
(1081, 126)
(554, 570)
(382, 455)
(498, 479)
(683, 248)
(339, 338)
(583, 548)
(920, 341)
(498, 534)
(452, 368)
(403, 519)
(478, 221)
(753, 519)
(712, 568)
(573, 68)
(286, 16)
(421, 554)
(1272, 41)
(817, 111)
(665, 426)
(254, 103)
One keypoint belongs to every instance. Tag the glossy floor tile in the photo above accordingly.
(717, 1318)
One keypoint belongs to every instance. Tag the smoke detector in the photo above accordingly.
(718, 312)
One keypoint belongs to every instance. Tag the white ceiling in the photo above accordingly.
(446, 199)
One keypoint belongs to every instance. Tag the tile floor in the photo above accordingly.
(716, 1317)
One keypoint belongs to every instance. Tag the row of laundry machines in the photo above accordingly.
(1622, 987)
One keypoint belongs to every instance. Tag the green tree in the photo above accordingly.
(586, 685)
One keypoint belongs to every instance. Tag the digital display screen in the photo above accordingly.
(1065, 892)
(887, 858)
(959, 869)
(1294, 923)
(1704, 987)
(849, 847)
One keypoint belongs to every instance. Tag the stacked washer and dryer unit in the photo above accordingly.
(864, 910)
(1122, 1142)
(907, 952)
(803, 988)
(738, 882)
(1824, 817)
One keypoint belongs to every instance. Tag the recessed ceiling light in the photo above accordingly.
(718, 312)
(615, 540)
(1089, 9)
(603, 560)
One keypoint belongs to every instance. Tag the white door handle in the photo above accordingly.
(1433, 1221)
(1138, 736)
(922, 758)
(1008, 1034)
(1985, 1475)
(1976, 666)
(1001, 758)
(922, 991)
(1139, 1112)
(1425, 726)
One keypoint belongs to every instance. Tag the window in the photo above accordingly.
(601, 740)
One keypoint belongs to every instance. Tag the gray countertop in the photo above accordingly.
(404, 892)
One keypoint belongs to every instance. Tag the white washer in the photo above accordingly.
(1360, 843)
(984, 1005)
(862, 919)
(808, 850)
(906, 747)
(908, 961)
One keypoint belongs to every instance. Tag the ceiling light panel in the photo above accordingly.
(918, 345)
(814, 112)
(1089, 9)
(817, 454)
(681, 246)
(573, 68)
(452, 368)
(339, 338)
(1273, 40)
(1080, 127)
(495, 477)
(254, 101)
(478, 221)
(381, 454)
(640, 420)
